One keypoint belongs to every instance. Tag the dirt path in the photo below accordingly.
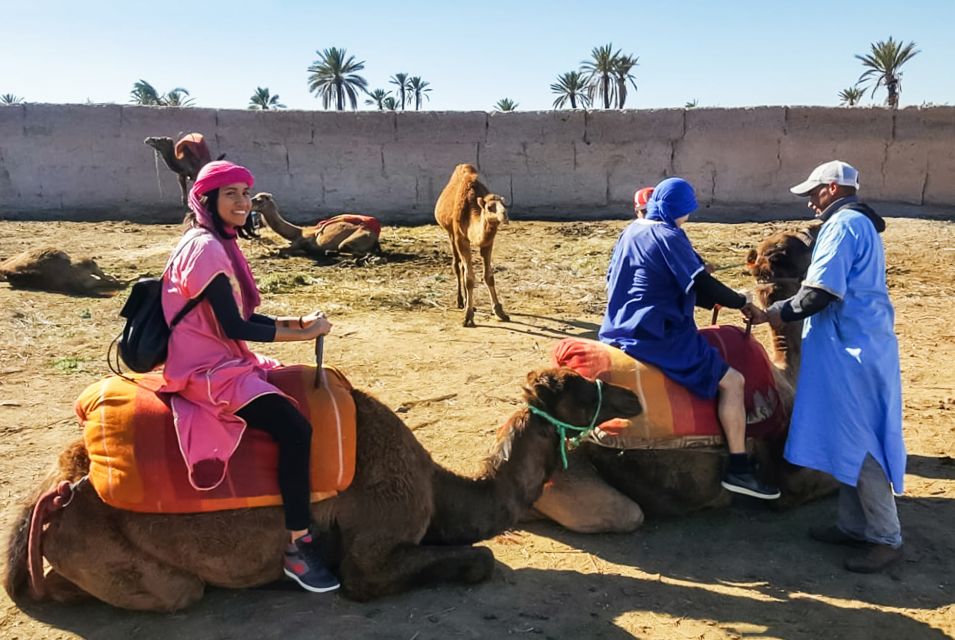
(744, 572)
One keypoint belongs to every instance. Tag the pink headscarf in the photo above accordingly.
(213, 176)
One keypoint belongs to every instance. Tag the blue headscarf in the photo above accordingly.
(673, 198)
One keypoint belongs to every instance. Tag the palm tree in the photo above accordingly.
(570, 86)
(505, 104)
(390, 103)
(600, 72)
(622, 74)
(418, 89)
(145, 94)
(176, 98)
(377, 98)
(884, 61)
(850, 97)
(691, 104)
(334, 77)
(9, 98)
(400, 80)
(263, 101)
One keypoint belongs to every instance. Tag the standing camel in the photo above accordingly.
(471, 215)
(347, 233)
(184, 158)
(404, 521)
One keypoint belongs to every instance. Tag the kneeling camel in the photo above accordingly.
(404, 521)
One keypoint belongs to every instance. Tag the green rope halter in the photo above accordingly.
(563, 427)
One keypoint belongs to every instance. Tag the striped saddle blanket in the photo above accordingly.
(673, 417)
(136, 464)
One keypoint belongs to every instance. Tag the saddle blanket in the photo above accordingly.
(672, 416)
(136, 463)
(369, 223)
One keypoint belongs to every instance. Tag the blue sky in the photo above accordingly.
(730, 53)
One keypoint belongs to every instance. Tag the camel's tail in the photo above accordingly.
(73, 465)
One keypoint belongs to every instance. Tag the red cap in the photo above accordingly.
(641, 196)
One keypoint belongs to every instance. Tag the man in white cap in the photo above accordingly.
(847, 418)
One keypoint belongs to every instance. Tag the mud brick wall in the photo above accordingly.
(89, 161)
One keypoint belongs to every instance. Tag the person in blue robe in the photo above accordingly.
(847, 418)
(654, 281)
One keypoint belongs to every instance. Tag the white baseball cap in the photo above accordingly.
(837, 171)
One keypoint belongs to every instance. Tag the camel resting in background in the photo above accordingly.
(404, 521)
(608, 490)
(50, 269)
(184, 158)
(351, 234)
(471, 214)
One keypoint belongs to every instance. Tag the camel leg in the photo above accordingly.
(367, 572)
(489, 282)
(361, 242)
(183, 188)
(456, 268)
(463, 249)
(84, 544)
(579, 500)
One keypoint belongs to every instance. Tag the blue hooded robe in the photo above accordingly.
(849, 393)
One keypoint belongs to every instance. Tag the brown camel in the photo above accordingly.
(471, 215)
(50, 269)
(608, 490)
(348, 233)
(404, 521)
(184, 158)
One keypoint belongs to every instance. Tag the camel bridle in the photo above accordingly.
(563, 427)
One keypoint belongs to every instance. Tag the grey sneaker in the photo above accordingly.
(304, 566)
(747, 484)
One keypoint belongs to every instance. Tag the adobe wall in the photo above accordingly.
(89, 161)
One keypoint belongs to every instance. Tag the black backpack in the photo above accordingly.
(145, 338)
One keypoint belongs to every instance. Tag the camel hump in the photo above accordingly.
(193, 145)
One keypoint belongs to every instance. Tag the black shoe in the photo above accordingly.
(747, 484)
(874, 559)
(834, 535)
(304, 566)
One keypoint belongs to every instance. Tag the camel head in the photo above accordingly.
(87, 278)
(569, 397)
(779, 263)
(493, 209)
(263, 202)
(159, 143)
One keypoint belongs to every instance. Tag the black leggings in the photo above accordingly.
(278, 417)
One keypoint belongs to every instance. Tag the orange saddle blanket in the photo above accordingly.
(136, 464)
(672, 416)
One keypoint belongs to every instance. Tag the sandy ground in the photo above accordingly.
(742, 572)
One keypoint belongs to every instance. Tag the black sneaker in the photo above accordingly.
(304, 566)
(745, 483)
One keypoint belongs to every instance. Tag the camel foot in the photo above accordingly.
(460, 303)
(499, 312)
(469, 319)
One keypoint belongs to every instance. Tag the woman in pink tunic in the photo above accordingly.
(218, 384)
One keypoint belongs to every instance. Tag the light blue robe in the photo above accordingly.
(849, 393)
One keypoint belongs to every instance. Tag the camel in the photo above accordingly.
(184, 158)
(470, 214)
(348, 233)
(609, 490)
(404, 521)
(50, 269)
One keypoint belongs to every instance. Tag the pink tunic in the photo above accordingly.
(210, 375)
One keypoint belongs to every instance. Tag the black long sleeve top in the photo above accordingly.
(258, 328)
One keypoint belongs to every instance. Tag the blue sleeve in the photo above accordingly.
(832, 258)
(684, 263)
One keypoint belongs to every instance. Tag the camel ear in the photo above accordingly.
(480, 202)
(541, 387)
